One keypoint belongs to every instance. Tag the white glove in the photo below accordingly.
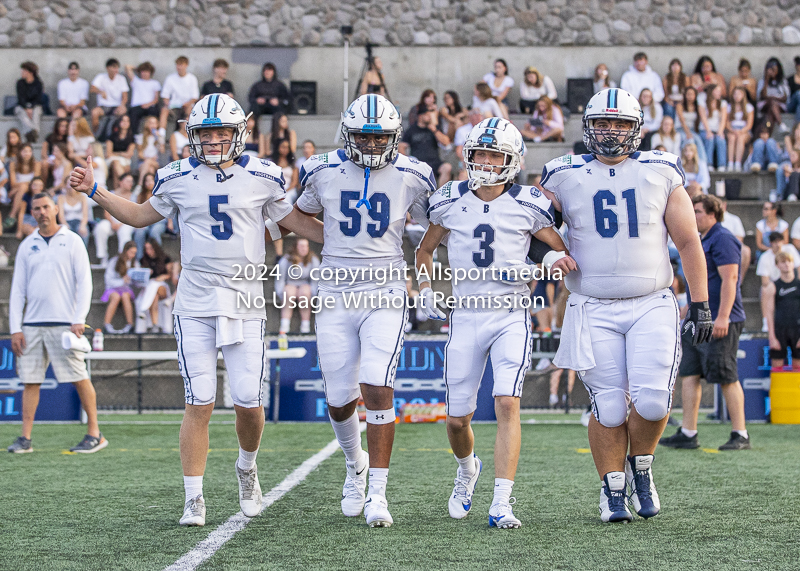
(517, 272)
(429, 305)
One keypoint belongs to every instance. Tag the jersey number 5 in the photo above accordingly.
(226, 231)
(605, 219)
(379, 212)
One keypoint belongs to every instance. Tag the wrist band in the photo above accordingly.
(94, 189)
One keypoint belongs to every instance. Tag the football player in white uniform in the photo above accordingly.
(223, 199)
(622, 321)
(490, 221)
(365, 191)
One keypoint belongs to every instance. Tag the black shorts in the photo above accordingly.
(788, 338)
(715, 361)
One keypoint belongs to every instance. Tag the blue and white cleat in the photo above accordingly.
(639, 475)
(461, 498)
(613, 504)
(502, 517)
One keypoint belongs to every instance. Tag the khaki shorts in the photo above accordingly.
(43, 347)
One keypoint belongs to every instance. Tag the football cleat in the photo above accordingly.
(376, 510)
(194, 512)
(249, 491)
(613, 505)
(736, 442)
(639, 475)
(680, 440)
(461, 499)
(354, 490)
(502, 517)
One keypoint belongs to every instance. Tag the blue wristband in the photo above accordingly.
(94, 189)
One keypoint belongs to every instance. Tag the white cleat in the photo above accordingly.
(354, 490)
(376, 510)
(249, 490)
(194, 512)
(461, 498)
(502, 517)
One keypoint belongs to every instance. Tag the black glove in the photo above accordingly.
(698, 324)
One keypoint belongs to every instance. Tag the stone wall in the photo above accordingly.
(307, 23)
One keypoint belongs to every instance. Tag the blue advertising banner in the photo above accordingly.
(56, 402)
(419, 380)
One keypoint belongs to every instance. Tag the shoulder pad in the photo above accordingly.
(666, 164)
(564, 164)
(422, 171)
(174, 170)
(448, 194)
(532, 198)
(316, 163)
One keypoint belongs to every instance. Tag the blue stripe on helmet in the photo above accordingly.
(613, 104)
(372, 109)
(212, 106)
(493, 122)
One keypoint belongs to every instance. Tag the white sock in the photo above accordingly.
(467, 465)
(689, 433)
(285, 323)
(377, 481)
(193, 486)
(502, 490)
(349, 436)
(305, 326)
(247, 460)
(743, 433)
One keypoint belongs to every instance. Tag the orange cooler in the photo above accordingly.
(784, 397)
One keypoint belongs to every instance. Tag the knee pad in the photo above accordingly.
(201, 389)
(611, 407)
(651, 404)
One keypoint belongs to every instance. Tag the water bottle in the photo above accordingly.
(283, 342)
(97, 340)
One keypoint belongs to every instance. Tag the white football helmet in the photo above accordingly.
(499, 135)
(612, 104)
(372, 114)
(217, 110)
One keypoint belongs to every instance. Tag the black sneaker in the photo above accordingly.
(21, 445)
(736, 442)
(90, 444)
(680, 440)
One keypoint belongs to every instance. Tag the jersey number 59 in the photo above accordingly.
(379, 212)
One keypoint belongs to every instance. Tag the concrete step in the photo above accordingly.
(750, 210)
(753, 186)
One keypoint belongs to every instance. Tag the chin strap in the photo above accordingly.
(364, 200)
(224, 176)
(474, 184)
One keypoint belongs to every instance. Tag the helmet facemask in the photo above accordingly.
(375, 156)
(611, 142)
(235, 147)
(486, 174)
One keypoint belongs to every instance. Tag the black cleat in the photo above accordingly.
(680, 440)
(736, 442)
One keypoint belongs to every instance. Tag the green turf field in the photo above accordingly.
(119, 508)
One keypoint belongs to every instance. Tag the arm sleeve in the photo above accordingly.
(19, 285)
(82, 274)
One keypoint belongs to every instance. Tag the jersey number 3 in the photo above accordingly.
(605, 219)
(379, 212)
(485, 235)
(224, 220)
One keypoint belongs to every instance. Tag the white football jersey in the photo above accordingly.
(354, 235)
(222, 226)
(615, 219)
(484, 235)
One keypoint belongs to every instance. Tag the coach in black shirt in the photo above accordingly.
(784, 324)
(422, 140)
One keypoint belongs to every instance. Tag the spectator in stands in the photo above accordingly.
(373, 81)
(268, 95)
(26, 223)
(534, 86)
(713, 118)
(652, 114)
(793, 106)
(452, 115)
(145, 90)
(59, 135)
(705, 75)
(109, 225)
(499, 81)
(688, 120)
(773, 93)
(483, 100)
(21, 173)
(280, 131)
(422, 141)
(784, 319)
(546, 124)
(118, 288)
(475, 116)
(675, 84)
(255, 145)
(157, 288)
(309, 149)
(602, 79)
(154, 231)
(218, 83)
(112, 97)
(641, 76)
(100, 166)
(667, 137)
(283, 156)
(29, 101)
(13, 144)
(744, 79)
(80, 142)
(766, 153)
(120, 147)
(695, 169)
(179, 140)
(426, 103)
(772, 222)
(181, 91)
(73, 93)
(296, 288)
(789, 170)
(768, 271)
(59, 167)
(149, 146)
(73, 211)
(734, 225)
(740, 123)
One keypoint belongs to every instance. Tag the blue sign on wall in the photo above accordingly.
(56, 401)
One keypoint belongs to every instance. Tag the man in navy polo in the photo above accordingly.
(715, 361)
